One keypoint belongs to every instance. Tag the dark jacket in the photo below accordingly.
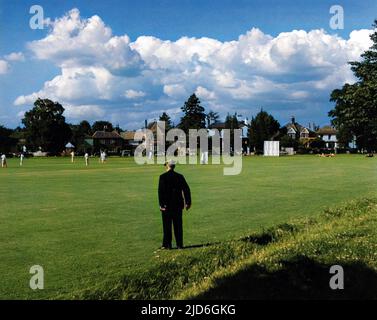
(171, 189)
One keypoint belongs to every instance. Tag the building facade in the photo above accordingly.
(111, 142)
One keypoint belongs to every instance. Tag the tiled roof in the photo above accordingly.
(218, 125)
(106, 135)
(327, 130)
(128, 135)
(297, 127)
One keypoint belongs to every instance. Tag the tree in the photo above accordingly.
(355, 111)
(118, 129)
(263, 127)
(231, 123)
(194, 116)
(317, 144)
(7, 141)
(102, 126)
(287, 142)
(85, 127)
(79, 133)
(166, 118)
(212, 117)
(45, 126)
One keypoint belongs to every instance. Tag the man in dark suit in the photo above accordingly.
(174, 195)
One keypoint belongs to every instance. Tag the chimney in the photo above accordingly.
(293, 120)
(145, 124)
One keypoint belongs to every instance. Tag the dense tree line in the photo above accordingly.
(45, 127)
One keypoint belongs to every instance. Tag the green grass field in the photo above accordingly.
(91, 226)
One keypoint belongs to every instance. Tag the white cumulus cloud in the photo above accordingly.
(102, 73)
(4, 67)
(15, 56)
(134, 94)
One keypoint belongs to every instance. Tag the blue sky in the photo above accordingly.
(127, 92)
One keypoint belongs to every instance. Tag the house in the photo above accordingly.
(112, 142)
(328, 135)
(130, 144)
(298, 131)
(219, 126)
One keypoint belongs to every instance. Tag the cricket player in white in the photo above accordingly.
(72, 156)
(204, 157)
(4, 161)
(86, 156)
(103, 157)
(21, 159)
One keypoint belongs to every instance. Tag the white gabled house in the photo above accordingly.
(296, 130)
(328, 135)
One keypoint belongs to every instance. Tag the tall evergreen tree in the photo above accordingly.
(212, 117)
(263, 127)
(194, 116)
(231, 123)
(166, 118)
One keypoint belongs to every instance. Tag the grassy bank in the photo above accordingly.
(287, 261)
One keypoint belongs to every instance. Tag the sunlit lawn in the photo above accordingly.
(89, 225)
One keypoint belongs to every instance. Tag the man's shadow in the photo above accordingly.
(260, 239)
(298, 278)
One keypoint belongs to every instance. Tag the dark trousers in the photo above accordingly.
(175, 219)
